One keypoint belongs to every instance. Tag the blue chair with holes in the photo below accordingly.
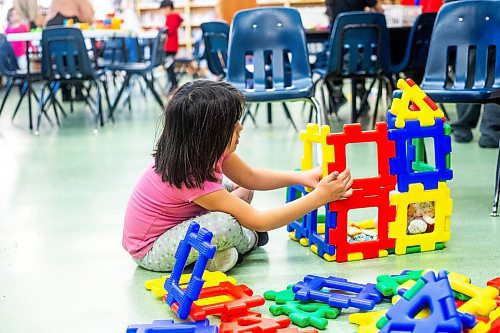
(268, 59)
(463, 65)
(216, 38)
(358, 49)
(65, 60)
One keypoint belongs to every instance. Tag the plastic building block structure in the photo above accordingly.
(168, 326)
(430, 292)
(401, 163)
(199, 239)
(241, 300)
(349, 294)
(488, 327)
(211, 279)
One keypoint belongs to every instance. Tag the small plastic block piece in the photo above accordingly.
(349, 294)
(402, 164)
(425, 111)
(211, 279)
(429, 292)
(199, 239)
(385, 150)
(367, 321)
(388, 284)
(280, 297)
(297, 228)
(367, 249)
(490, 326)
(295, 330)
(320, 244)
(242, 300)
(426, 241)
(315, 134)
(168, 326)
(254, 324)
(494, 283)
(483, 299)
(306, 314)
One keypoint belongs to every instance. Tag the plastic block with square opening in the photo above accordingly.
(168, 326)
(313, 134)
(199, 239)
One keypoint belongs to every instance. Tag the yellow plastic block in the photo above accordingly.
(321, 229)
(443, 208)
(382, 253)
(291, 234)
(367, 321)
(213, 300)
(483, 299)
(327, 257)
(365, 224)
(212, 279)
(485, 327)
(354, 256)
(400, 106)
(315, 134)
(304, 241)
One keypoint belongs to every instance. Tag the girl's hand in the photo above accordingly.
(310, 178)
(335, 186)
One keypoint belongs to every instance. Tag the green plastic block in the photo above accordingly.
(461, 297)
(388, 285)
(413, 249)
(447, 129)
(414, 290)
(422, 167)
(306, 314)
(381, 322)
(448, 161)
(440, 246)
(280, 297)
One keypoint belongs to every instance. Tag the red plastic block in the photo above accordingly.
(385, 150)
(495, 283)
(369, 249)
(241, 303)
(234, 317)
(254, 324)
(495, 326)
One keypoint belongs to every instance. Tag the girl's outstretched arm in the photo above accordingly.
(265, 179)
(333, 187)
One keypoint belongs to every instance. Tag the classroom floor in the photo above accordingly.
(63, 196)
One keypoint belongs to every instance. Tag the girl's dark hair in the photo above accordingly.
(199, 124)
(9, 14)
(166, 4)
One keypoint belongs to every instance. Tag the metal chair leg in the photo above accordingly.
(379, 97)
(24, 89)
(494, 210)
(40, 109)
(246, 113)
(8, 88)
(289, 116)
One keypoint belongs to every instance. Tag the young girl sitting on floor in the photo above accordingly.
(197, 145)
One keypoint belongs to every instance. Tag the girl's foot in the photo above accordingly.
(223, 260)
(262, 238)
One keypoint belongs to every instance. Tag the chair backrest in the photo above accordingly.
(419, 41)
(64, 55)
(121, 50)
(359, 45)
(216, 38)
(8, 60)
(466, 39)
(267, 49)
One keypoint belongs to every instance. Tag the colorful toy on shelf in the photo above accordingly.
(169, 326)
(199, 239)
(416, 217)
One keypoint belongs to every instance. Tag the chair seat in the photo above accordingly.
(487, 95)
(133, 67)
(301, 89)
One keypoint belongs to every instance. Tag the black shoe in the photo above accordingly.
(462, 135)
(263, 238)
(487, 142)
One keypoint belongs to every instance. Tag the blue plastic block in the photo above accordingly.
(435, 294)
(362, 296)
(401, 165)
(321, 241)
(167, 326)
(300, 227)
(199, 239)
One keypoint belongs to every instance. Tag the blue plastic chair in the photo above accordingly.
(15, 77)
(417, 49)
(216, 39)
(65, 60)
(143, 70)
(268, 59)
(358, 49)
(466, 38)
